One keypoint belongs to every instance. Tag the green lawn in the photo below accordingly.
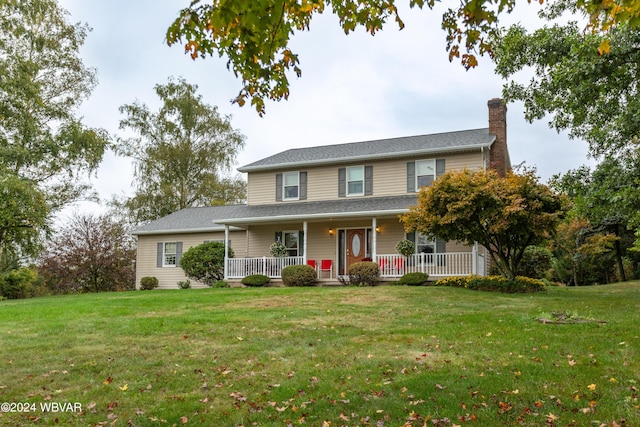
(383, 356)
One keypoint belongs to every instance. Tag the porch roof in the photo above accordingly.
(465, 140)
(214, 218)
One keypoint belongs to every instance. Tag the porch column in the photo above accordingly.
(304, 243)
(374, 240)
(226, 251)
(474, 258)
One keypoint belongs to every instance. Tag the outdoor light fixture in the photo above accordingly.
(331, 231)
(377, 229)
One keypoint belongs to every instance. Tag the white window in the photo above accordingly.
(291, 242)
(425, 244)
(170, 254)
(291, 187)
(425, 173)
(355, 181)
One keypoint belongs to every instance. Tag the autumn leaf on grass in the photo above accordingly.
(109, 380)
(591, 387)
(184, 420)
(124, 387)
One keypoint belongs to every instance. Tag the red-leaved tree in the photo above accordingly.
(89, 254)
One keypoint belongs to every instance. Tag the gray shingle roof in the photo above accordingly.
(194, 220)
(377, 149)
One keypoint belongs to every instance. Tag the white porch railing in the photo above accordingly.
(237, 268)
(435, 265)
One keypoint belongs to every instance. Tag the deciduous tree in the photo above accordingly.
(23, 213)
(505, 215)
(587, 83)
(89, 254)
(43, 144)
(183, 154)
(255, 34)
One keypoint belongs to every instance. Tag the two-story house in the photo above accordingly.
(332, 206)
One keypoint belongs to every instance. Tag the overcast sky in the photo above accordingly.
(353, 88)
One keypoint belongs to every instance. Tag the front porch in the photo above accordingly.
(391, 266)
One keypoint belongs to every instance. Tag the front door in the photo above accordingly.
(356, 246)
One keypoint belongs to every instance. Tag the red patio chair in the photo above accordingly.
(312, 263)
(326, 265)
(398, 264)
(383, 265)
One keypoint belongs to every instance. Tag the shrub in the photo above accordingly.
(414, 279)
(495, 284)
(535, 263)
(278, 249)
(299, 275)
(256, 280)
(205, 262)
(363, 273)
(148, 283)
(405, 247)
(20, 283)
(184, 284)
(220, 284)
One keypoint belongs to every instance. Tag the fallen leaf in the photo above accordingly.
(184, 420)
(124, 387)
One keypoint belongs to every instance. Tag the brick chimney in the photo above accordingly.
(499, 153)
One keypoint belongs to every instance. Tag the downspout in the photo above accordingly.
(484, 160)
(304, 242)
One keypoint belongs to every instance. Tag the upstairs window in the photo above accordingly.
(355, 181)
(425, 173)
(422, 173)
(291, 186)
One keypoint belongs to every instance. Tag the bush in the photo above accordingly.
(299, 275)
(205, 262)
(148, 283)
(20, 283)
(184, 284)
(278, 249)
(414, 279)
(535, 263)
(495, 284)
(363, 273)
(220, 284)
(405, 247)
(256, 280)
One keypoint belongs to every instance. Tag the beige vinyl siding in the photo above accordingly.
(389, 178)
(168, 277)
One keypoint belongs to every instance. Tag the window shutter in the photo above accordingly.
(301, 238)
(178, 253)
(159, 254)
(278, 187)
(368, 180)
(342, 182)
(303, 186)
(439, 167)
(412, 236)
(441, 248)
(411, 177)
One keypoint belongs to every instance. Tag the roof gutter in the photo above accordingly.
(303, 217)
(212, 229)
